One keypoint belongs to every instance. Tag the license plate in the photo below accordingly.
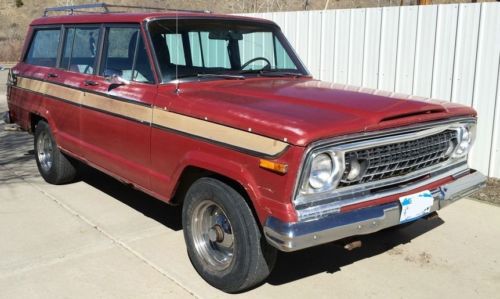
(415, 205)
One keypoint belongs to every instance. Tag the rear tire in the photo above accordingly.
(223, 240)
(55, 167)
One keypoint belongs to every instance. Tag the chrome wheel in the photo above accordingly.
(45, 151)
(212, 235)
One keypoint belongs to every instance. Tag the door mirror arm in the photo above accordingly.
(116, 81)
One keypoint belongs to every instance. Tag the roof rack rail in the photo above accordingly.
(84, 8)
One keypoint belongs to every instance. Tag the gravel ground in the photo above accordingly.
(489, 194)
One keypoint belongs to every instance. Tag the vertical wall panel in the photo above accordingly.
(424, 54)
(341, 58)
(388, 48)
(465, 54)
(406, 49)
(488, 55)
(279, 18)
(315, 41)
(372, 47)
(328, 45)
(495, 149)
(302, 37)
(356, 47)
(291, 27)
(445, 48)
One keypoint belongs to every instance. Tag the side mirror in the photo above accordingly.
(117, 80)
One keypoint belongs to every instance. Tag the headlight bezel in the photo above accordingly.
(469, 131)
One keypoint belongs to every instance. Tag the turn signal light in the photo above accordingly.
(274, 166)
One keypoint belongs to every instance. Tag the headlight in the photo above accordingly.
(324, 171)
(465, 138)
(321, 171)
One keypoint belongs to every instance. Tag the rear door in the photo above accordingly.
(116, 121)
(77, 64)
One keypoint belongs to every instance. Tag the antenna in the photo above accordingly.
(177, 54)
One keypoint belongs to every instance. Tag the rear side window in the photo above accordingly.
(80, 49)
(43, 47)
(125, 55)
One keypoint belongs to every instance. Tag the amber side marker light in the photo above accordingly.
(274, 166)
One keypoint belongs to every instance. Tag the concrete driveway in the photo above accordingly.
(99, 238)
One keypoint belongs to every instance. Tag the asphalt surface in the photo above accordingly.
(99, 238)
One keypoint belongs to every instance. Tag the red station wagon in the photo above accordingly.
(217, 113)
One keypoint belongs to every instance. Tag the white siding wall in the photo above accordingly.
(449, 52)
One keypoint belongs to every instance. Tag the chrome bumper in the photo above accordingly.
(295, 236)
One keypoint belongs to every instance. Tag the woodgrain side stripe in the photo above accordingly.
(218, 133)
(161, 118)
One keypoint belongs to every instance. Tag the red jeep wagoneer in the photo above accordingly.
(217, 113)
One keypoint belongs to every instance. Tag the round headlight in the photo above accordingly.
(356, 169)
(321, 171)
(464, 142)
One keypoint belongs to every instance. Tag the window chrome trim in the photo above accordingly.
(360, 140)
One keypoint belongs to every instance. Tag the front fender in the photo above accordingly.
(224, 167)
(261, 186)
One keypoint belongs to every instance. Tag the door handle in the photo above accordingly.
(90, 83)
(52, 75)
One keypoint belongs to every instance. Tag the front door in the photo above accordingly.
(116, 114)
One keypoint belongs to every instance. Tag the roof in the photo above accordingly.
(89, 18)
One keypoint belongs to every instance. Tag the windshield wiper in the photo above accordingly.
(274, 73)
(282, 74)
(224, 76)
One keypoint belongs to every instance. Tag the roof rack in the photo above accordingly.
(106, 8)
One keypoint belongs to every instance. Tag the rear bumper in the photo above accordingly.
(295, 236)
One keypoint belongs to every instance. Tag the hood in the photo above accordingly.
(301, 111)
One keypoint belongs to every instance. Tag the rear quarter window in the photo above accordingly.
(43, 47)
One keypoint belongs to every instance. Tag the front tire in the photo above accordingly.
(53, 165)
(223, 239)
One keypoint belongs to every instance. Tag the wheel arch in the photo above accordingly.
(192, 172)
(34, 119)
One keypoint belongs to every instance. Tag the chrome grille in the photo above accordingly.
(397, 159)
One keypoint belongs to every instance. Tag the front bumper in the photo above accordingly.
(295, 236)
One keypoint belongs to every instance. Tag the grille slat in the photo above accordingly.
(397, 159)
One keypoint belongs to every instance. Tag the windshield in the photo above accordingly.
(221, 49)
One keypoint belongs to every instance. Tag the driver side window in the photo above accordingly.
(79, 50)
(124, 55)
